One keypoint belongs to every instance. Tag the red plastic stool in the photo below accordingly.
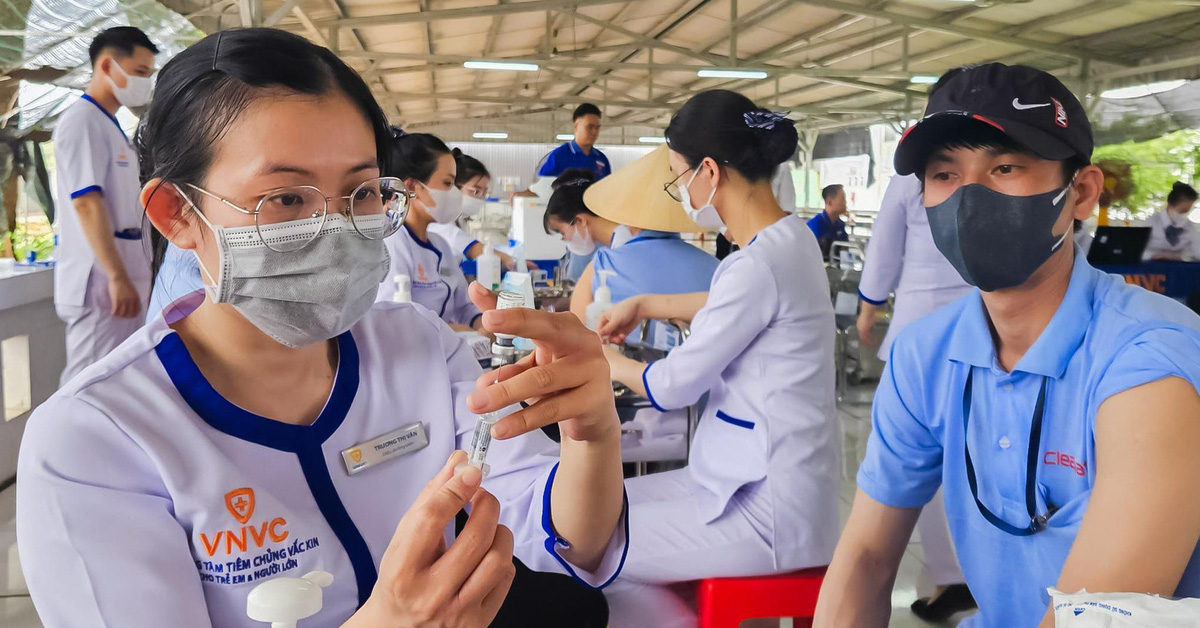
(726, 602)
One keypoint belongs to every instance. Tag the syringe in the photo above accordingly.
(481, 442)
(503, 353)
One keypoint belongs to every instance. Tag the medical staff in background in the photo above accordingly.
(102, 273)
(285, 422)
(648, 261)
(828, 225)
(580, 152)
(1173, 235)
(1055, 405)
(426, 166)
(473, 180)
(759, 494)
(903, 259)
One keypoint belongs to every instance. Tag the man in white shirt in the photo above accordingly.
(102, 278)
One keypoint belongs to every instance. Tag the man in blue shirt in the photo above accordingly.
(1056, 405)
(828, 225)
(580, 152)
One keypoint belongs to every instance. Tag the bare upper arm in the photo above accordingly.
(91, 200)
(1143, 522)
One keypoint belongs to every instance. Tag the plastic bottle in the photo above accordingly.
(403, 289)
(601, 303)
(282, 602)
(487, 269)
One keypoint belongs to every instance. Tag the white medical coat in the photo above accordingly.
(93, 154)
(455, 236)
(762, 347)
(437, 281)
(1186, 237)
(902, 258)
(148, 500)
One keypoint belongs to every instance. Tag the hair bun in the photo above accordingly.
(456, 151)
(776, 135)
(1180, 185)
(397, 132)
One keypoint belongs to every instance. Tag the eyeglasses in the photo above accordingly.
(376, 209)
(475, 191)
(672, 188)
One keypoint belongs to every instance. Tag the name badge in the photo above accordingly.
(381, 449)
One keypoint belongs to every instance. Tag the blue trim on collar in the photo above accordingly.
(425, 244)
(224, 416)
(575, 148)
(553, 541)
(733, 421)
(646, 385)
(651, 234)
(106, 113)
(869, 300)
(303, 440)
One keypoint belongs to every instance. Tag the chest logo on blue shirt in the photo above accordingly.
(1063, 459)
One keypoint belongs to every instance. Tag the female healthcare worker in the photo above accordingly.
(281, 424)
(759, 493)
(1173, 236)
(427, 167)
(473, 180)
(653, 261)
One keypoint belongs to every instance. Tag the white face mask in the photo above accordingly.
(580, 242)
(471, 206)
(707, 216)
(300, 297)
(136, 91)
(447, 204)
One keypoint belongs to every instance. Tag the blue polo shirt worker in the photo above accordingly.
(828, 225)
(102, 274)
(1055, 405)
(580, 152)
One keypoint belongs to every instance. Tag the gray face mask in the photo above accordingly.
(300, 297)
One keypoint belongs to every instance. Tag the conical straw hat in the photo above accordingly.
(634, 196)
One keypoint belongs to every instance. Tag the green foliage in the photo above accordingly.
(1157, 164)
(24, 241)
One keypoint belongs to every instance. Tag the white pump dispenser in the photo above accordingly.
(487, 268)
(602, 302)
(403, 289)
(284, 601)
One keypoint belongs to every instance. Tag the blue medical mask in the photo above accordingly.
(996, 241)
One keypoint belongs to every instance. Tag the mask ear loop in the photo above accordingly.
(212, 288)
(1058, 198)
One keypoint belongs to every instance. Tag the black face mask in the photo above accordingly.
(994, 240)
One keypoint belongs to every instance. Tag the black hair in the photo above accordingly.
(1181, 192)
(830, 191)
(123, 40)
(467, 168)
(982, 136)
(733, 131)
(415, 155)
(586, 109)
(202, 90)
(566, 203)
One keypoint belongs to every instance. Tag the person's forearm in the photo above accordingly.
(588, 496)
(628, 372)
(93, 219)
(474, 251)
(856, 592)
(671, 306)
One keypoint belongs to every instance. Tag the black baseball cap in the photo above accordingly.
(1026, 104)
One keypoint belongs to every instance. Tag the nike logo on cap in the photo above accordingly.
(1020, 107)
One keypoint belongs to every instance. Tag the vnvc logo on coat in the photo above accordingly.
(356, 455)
(240, 503)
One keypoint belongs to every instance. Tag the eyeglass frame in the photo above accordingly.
(678, 198)
(347, 211)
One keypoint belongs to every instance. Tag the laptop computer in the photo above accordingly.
(1118, 246)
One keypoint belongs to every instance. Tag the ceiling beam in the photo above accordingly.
(646, 40)
(412, 17)
(968, 32)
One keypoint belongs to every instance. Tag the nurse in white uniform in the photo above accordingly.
(1173, 235)
(902, 259)
(102, 276)
(759, 495)
(427, 167)
(281, 424)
